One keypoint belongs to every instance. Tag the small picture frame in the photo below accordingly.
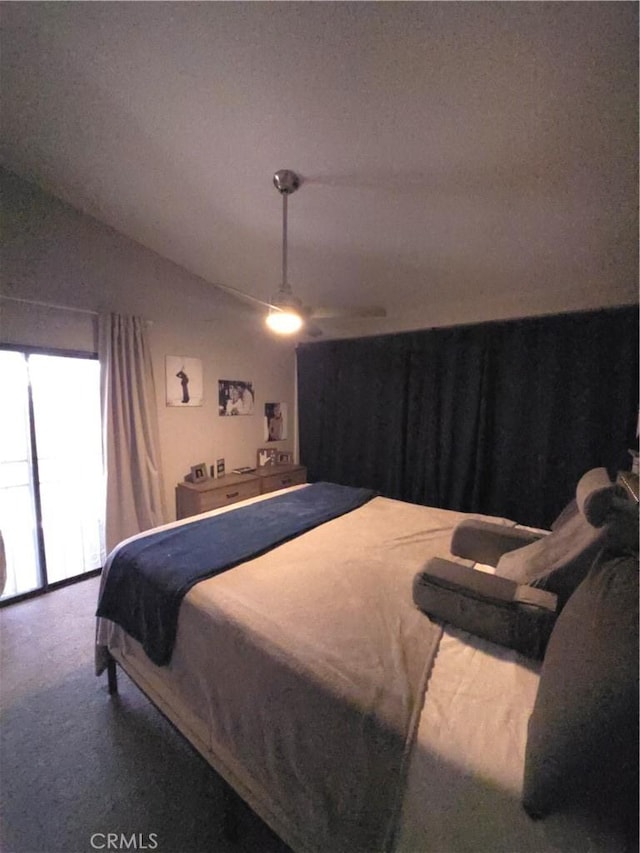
(267, 456)
(199, 473)
(219, 467)
(285, 457)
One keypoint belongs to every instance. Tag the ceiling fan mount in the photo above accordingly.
(286, 181)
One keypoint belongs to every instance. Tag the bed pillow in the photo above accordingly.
(485, 541)
(567, 513)
(582, 746)
(557, 562)
(560, 561)
(496, 609)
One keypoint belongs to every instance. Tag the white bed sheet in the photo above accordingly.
(465, 777)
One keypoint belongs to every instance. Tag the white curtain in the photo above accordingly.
(134, 488)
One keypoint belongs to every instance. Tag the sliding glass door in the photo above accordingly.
(51, 472)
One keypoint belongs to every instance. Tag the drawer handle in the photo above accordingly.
(285, 481)
(233, 494)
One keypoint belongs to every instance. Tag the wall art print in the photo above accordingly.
(235, 397)
(275, 421)
(184, 381)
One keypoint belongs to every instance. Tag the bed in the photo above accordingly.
(345, 717)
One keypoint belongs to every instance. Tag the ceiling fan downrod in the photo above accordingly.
(286, 182)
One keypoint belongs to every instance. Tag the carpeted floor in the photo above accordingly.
(75, 762)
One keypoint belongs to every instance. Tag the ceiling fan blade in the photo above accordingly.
(325, 313)
(244, 297)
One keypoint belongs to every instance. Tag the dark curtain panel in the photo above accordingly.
(564, 399)
(445, 416)
(354, 412)
(497, 418)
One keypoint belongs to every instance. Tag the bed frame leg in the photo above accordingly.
(230, 829)
(112, 676)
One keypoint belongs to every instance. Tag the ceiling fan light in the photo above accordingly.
(286, 322)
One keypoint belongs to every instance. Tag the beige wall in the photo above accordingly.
(55, 254)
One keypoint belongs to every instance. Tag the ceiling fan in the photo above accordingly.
(287, 315)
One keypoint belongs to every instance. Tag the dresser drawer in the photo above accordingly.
(192, 499)
(273, 482)
(216, 498)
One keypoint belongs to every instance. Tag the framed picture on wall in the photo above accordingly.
(183, 381)
(275, 421)
(235, 397)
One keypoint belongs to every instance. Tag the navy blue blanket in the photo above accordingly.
(149, 577)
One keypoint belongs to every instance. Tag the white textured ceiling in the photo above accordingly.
(461, 161)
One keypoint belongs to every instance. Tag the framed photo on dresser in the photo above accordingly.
(267, 456)
(199, 473)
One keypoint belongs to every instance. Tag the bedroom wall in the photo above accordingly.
(53, 253)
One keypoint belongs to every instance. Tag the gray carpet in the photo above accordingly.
(75, 762)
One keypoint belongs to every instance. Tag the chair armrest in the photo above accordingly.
(484, 542)
(494, 608)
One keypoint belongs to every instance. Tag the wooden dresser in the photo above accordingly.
(194, 498)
